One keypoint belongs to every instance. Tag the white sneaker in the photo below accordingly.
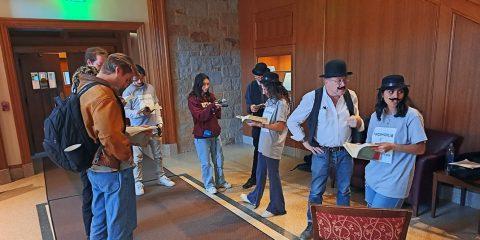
(267, 214)
(211, 190)
(139, 189)
(226, 185)
(165, 181)
(244, 198)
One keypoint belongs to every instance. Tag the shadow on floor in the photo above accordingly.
(16, 192)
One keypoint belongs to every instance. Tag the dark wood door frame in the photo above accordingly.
(158, 51)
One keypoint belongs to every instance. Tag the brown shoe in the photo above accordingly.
(250, 183)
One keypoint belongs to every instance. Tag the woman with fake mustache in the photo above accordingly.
(399, 132)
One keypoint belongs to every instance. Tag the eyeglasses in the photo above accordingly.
(136, 78)
(339, 80)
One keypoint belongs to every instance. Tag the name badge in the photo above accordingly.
(384, 134)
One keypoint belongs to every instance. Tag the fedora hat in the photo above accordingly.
(260, 69)
(270, 77)
(393, 82)
(335, 68)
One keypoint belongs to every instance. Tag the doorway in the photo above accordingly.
(45, 61)
(38, 81)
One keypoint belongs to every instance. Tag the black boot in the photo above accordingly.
(250, 182)
(307, 233)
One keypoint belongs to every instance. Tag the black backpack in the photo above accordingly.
(64, 128)
(467, 174)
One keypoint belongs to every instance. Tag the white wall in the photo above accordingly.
(7, 123)
(99, 10)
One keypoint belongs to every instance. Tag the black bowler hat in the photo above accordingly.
(270, 77)
(140, 69)
(393, 82)
(260, 69)
(335, 68)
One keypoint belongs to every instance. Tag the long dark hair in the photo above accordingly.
(402, 106)
(197, 86)
(276, 90)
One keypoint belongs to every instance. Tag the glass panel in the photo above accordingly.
(282, 65)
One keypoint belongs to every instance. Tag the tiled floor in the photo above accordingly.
(18, 213)
(19, 218)
(452, 222)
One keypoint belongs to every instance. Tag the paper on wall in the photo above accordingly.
(52, 81)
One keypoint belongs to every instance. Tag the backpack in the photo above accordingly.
(67, 142)
(357, 137)
(466, 174)
(307, 165)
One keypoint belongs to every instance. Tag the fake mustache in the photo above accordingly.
(394, 99)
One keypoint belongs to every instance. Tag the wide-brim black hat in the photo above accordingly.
(335, 68)
(270, 77)
(393, 82)
(260, 69)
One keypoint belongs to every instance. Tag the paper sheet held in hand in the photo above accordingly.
(362, 151)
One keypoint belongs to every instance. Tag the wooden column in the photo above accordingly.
(155, 53)
(14, 90)
(4, 171)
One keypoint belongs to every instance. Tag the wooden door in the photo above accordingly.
(38, 97)
(75, 60)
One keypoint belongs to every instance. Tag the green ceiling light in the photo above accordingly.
(76, 9)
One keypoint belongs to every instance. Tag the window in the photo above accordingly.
(282, 65)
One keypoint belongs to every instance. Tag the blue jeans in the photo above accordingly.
(277, 202)
(114, 205)
(210, 148)
(377, 200)
(343, 165)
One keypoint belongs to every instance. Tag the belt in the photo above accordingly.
(332, 149)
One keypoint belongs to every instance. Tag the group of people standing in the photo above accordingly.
(269, 139)
(119, 99)
(331, 113)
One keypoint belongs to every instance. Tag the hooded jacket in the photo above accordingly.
(138, 97)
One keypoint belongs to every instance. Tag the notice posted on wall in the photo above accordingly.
(35, 80)
(52, 81)
(287, 81)
(43, 80)
(66, 78)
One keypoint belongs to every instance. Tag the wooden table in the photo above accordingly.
(442, 177)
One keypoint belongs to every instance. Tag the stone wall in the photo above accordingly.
(204, 37)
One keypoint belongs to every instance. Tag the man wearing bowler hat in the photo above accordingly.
(332, 114)
(255, 104)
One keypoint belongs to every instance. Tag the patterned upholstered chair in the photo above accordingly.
(333, 222)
